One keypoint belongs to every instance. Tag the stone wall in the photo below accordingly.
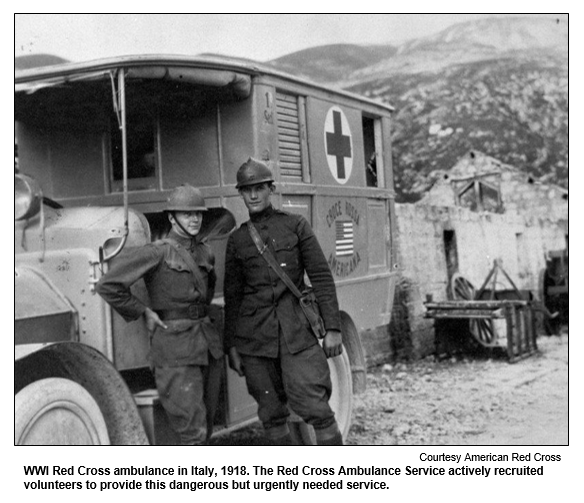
(524, 196)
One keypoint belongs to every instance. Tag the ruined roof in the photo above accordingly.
(475, 163)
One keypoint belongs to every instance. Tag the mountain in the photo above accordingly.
(331, 63)
(497, 85)
(35, 60)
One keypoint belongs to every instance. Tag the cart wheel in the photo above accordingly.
(461, 288)
(482, 330)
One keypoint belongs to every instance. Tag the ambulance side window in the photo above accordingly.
(141, 150)
(372, 149)
(141, 143)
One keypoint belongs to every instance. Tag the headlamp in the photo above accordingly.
(28, 197)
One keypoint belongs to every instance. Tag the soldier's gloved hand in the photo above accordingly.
(332, 343)
(153, 320)
(235, 361)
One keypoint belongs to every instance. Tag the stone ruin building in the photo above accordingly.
(479, 211)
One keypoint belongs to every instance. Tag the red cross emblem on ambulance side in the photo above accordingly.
(338, 144)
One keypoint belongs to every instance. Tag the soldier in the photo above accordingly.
(267, 336)
(186, 351)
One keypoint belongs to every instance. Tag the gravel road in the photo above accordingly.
(459, 401)
(478, 401)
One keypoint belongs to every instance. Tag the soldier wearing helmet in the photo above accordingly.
(253, 172)
(185, 351)
(267, 337)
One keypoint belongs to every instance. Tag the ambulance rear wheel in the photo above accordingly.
(341, 402)
(57, 411)
(354, 348)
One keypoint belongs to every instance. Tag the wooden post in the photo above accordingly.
(519, 329)
(531, 334)
(509, 317)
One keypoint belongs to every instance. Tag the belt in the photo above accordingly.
(193, 312)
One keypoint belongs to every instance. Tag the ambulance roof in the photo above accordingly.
(28, 80)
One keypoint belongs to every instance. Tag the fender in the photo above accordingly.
(42, 314)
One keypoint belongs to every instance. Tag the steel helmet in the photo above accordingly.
(253, 172)
(186, 198)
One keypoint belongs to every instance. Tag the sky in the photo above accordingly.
(79, 37)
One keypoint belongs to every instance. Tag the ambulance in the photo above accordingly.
(100, 146)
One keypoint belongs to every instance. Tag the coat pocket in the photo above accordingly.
(176, 264)
(287, 243)
(287, 252)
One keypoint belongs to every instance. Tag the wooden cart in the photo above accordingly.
(504, 318)
(494, 323)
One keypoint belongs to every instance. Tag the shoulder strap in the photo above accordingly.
(270, 259)
(191, 264)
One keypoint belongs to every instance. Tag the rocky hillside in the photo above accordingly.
(496, 85)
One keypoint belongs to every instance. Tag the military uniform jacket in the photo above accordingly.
(257, 302)
(170, 285)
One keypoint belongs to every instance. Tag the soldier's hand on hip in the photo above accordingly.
(332, 343)
(153, 320)
(235, 361)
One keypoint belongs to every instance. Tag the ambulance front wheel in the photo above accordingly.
(57, 411)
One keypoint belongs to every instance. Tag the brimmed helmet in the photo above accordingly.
(253, 172)
(186, 198)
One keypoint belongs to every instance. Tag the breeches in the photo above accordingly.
(301, 381)
(189, 395)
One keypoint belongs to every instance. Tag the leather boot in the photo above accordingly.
(301, 433)
(278, 435)
(329, 435)
(284, 440)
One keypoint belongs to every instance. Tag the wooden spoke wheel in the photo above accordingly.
(481, 329)
(461, 288)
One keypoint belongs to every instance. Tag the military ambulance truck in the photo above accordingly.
(100, 146)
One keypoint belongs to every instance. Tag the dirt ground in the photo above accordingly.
(468, 401)
(478, 400)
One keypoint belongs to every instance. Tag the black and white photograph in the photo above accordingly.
(257, 232)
